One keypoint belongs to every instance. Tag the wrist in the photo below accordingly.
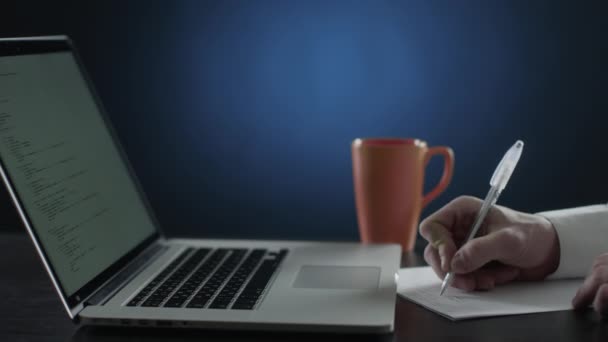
(552, 259)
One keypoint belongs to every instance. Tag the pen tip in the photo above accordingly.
(442, 290)
(519, 143)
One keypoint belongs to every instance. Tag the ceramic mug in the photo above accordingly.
(389, 179)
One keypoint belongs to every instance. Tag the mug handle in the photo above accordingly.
(448, 170)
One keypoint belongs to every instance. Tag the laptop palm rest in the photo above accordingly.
(338, 277)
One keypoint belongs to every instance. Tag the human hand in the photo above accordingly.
(511, 245)
(595, 288)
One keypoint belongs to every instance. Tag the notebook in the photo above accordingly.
(421, 285)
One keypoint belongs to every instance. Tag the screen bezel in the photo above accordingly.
(41, 45)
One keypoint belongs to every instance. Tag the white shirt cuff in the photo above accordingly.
(583, 235)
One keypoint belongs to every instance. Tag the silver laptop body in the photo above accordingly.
(102, 247)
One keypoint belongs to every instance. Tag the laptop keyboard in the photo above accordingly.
(204, 278)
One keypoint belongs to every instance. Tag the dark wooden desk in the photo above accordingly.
(31, 311)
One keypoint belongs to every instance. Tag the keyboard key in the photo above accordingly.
(151, 303)
(196, 276)
(219, 304)
(259, 281)
(243, 306)
(169, 285)
(173, 304)
(158, 279)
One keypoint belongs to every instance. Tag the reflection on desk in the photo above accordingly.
(32, 311)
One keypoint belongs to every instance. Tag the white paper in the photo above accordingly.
(421, 285)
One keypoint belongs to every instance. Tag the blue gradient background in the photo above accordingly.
(238, 115)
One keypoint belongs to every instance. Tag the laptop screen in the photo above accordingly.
(65, 168)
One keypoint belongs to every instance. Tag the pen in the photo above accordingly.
(499, 180)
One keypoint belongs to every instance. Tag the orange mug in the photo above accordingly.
(389, 178)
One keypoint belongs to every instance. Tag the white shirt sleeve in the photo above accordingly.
(583, 235)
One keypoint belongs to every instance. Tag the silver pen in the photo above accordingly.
(499, 180)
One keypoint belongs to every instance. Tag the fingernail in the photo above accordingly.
(442, 259)
(444, 264)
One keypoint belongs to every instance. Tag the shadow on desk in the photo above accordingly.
(109, 334)
(412, 324)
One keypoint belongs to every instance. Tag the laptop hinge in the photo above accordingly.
(118, 281)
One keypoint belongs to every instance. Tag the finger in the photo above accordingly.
(483, 282)
(451, 215)
(441, 240)
(588, 290)
(431, 257)
(502, 245)
(506, 275)
(600, 304)
(438, 227)
(464, 282)
(600, 261)
(446, 250)
(487, 279)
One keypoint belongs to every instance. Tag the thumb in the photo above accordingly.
(502, 245)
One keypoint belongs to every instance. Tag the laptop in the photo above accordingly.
(104, 251)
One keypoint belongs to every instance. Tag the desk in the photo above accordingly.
(31, 311)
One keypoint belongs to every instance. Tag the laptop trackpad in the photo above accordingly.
(338, 277)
